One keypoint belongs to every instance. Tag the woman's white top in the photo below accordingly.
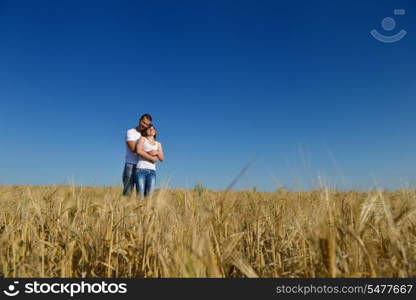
(144, 163)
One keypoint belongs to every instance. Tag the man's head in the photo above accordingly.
(144, 122)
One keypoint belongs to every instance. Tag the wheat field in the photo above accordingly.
(68, 231)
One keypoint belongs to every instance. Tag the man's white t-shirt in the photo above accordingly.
(132, 135)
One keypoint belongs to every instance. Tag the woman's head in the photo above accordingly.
(149, 131)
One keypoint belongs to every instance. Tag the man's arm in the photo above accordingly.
(131, 145)
(140, 151)
(131, 140)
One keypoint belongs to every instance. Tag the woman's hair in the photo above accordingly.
(144, 131)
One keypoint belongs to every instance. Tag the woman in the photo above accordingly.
(149, 151)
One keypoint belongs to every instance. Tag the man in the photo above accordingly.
(132, 136)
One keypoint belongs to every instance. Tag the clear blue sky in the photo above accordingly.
(299, 88)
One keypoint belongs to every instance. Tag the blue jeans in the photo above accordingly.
(145, 181)
(128, 178)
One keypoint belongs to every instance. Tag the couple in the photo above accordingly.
(142, 153)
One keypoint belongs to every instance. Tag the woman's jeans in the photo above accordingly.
(145, 181)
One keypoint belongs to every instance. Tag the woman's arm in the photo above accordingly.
(140, 151)
(160, 154)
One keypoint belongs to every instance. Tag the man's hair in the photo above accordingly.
(147, 116)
